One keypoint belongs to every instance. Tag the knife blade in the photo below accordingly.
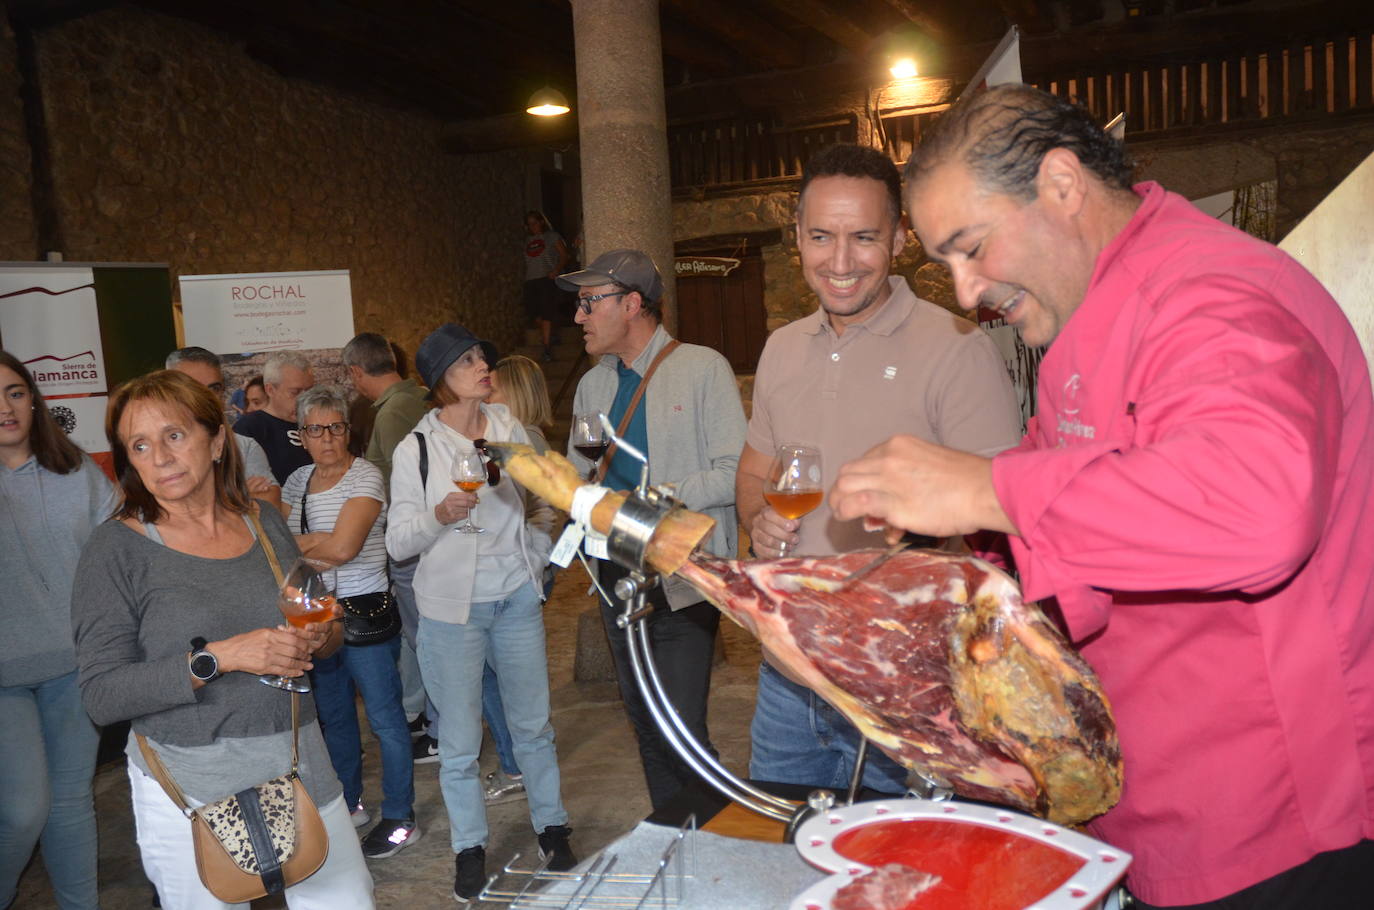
(882, 558)
(908, 540)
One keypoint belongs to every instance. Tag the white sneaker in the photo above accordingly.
(359, 816)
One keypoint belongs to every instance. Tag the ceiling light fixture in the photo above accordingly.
(547, 102)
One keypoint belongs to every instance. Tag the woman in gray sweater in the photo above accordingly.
(174, 609)
(51, 496)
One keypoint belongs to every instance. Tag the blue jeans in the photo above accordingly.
(495, 716)
(510, 634)
(796, 737)
(372, 669)
(47, 759)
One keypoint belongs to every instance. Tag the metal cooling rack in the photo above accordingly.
(603, 885)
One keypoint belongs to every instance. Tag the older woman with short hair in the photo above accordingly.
(175, 613)
(336, 509)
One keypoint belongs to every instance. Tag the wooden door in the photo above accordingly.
(725, 313)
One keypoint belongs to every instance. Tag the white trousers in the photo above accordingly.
(169, 858)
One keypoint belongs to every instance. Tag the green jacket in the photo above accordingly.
(398, 409)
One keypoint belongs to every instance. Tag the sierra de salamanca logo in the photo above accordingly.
(65, 417)
(74, 369)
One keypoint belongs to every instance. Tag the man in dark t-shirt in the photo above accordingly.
(284, 376)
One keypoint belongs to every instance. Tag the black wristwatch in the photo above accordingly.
(204, 666)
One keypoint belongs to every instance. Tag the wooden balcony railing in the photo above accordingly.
(747, 149)
(1302, 80)
(1305, 78)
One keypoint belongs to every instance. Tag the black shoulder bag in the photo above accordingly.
(369, 619)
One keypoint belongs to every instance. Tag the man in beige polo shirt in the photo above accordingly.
(874, 360)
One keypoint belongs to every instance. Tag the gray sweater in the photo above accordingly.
(137, 604)
(696, 430)
(45, 520)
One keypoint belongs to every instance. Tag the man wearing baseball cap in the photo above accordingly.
(678, 403)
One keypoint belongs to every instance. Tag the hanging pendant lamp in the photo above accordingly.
(547, 102)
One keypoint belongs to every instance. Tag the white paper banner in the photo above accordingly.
(270, 311)
(49, 320)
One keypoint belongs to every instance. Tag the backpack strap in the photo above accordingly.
(424, 459)
(305, 496)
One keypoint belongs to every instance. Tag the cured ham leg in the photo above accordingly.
(939, 662)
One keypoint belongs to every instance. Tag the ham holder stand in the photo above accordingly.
(627, 545)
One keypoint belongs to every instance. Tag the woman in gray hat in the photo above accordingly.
(479, 597)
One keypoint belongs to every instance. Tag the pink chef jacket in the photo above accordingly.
(1191, 492)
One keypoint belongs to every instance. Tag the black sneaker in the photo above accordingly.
(389, 837)
(470, 874)
(425, 750)
(419, 726)
(554, 846)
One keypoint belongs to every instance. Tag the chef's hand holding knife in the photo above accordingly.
(914, 485)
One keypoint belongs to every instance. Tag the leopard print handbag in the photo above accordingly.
(227, 820)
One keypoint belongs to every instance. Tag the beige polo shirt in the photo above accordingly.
(910, 368)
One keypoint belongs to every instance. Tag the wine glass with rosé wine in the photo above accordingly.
(469, 473)
(306, 596)
(793, 487)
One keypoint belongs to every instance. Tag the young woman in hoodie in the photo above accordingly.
(479, 597)
(51, 496)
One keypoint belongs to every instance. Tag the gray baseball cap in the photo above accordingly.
(630, 269)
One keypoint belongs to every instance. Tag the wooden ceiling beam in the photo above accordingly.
(751, 36)
(381, 78)
(1031, 15)
(1159, 38)
(824, 18)
(347, 42)
(915, 13)
(506, 131)
(705, 58)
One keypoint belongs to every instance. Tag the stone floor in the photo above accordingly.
(603, 786)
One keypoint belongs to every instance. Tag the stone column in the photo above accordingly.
(626, 189)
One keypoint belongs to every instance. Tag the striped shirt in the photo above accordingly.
(366, 572)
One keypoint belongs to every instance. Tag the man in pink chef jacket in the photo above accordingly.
(1190, 492)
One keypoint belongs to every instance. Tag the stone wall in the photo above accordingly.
(17, 234)
(170, 144)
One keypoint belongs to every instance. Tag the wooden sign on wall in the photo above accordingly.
(705, 266)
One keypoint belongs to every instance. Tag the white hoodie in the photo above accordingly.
(444, 579)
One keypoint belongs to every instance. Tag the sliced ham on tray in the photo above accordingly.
(889, 887)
